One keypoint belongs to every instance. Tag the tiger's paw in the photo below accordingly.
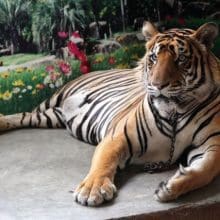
(164, 193)
(93, 191)
(174, 187)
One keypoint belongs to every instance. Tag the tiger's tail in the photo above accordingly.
(50, 118)
(47, 115)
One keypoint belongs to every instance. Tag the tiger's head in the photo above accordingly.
(178, 62)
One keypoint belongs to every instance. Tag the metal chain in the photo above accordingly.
(152, 167)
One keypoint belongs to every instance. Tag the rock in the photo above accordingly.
(5, 51)
(106, 46)
(140, 37)
(93, 29)
(215, 16)
(127, 38)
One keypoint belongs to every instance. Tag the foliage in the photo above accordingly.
(13, 18)
(190, 22)
(24, 88)
(51, 16)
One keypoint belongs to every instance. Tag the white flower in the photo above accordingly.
(24, 90)
(20, 96)
(52, 86)
(16, 90)
(59, 82)
(29, 87)
(47, 80)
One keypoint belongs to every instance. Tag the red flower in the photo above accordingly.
(65, 68)
(181, 21)
(62, 34)
(50, 68)
(85, 67)
(111, 60)
(73, 49)
(81, 56)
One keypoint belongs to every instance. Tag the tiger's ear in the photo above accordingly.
(206, 34)
(149, 30)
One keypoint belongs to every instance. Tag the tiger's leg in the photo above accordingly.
(51, 118)
(98, 185)
(202, 168)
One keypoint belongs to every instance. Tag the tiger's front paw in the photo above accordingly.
(164, 193)
(175, 186)
(93, 191)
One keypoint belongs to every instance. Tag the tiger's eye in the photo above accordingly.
(153, 57)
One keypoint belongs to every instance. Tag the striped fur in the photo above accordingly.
(151, 114)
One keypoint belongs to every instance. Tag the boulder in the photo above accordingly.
(215, 16)
(129, 38)
(106, 46)
(93, 29)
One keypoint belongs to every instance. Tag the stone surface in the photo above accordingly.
(39, 168)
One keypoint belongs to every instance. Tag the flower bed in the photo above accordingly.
(24, 88)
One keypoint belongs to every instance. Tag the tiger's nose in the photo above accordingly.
(160, 85)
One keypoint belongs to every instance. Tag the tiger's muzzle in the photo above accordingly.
(164, 77)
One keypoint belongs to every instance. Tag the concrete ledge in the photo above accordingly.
(39, 167)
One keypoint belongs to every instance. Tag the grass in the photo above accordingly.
(19, 58)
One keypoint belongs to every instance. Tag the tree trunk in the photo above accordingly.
(96, 15)
(123, 14)
(14, 39)
(158, 10)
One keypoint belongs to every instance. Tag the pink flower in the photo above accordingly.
(54, 76)
(50, 68)
(65, 68)
(62, 34)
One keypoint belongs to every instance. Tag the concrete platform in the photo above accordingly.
(39, 167)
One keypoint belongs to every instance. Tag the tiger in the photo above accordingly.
(167, 106)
